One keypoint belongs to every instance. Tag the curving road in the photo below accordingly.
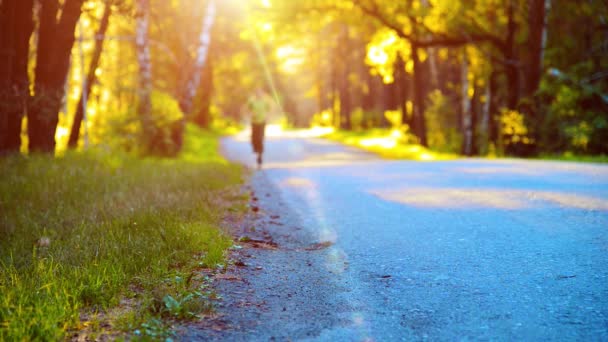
(378, 250)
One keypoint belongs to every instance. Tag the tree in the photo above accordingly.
(16, 26)
(192, 85)
(55, 40)
(99, 40)
(142, 44)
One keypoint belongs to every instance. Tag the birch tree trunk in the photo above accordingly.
(434, 79)
(99, 40)
(204, 41)
(193, 83)
(467, 119)
(485, 117)
(142, 46)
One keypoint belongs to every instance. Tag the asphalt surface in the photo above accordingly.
(377, 250)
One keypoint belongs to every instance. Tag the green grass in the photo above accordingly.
(387, 143)
(568, 156)
(92, 233)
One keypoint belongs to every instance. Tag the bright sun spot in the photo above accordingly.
(377, 55)
(385, 142)
(290, 57)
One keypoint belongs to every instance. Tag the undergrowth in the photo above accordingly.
(391, 144)
(99, 232)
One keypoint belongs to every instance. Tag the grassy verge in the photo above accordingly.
(576, 158)
(100, 241)
(387, 143)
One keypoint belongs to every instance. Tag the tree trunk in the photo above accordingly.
(344, 87)
(55, 42)
(201, 57)
(99, 40)
(7, 58)
(204, 41)
(485, 117)
(534, 63)
(512, 71)
(419, 125)
(492, 110)
(467, 119)
(402, 84)
(16, 27)
(334, 86)
(142, 46)
(434, 74)
(203, 115)
(536, 40)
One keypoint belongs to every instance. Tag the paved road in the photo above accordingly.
(450, 250)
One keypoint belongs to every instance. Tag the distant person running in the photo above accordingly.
(259, 106)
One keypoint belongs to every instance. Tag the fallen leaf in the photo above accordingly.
(226, 276)
(319, 246)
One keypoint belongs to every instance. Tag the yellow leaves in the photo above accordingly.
(345, 4)
(422, 55)
(441, 13)
(409, 66)
(471, 92)
(377, 56)
(394, 117)
(382, 52)
(513, 127)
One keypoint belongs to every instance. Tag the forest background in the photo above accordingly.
(488, 77)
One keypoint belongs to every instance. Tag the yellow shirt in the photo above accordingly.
(259, 107)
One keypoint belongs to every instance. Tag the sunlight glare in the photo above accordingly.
(377, 55)
(385, 142)
(318, 131)
(459, 198)
(291, 58)
(274, 130)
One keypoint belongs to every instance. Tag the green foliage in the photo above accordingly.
(393, 144)
(442, 122)
(366, 119)
(77, 230)
(166, 117)
(575, 120)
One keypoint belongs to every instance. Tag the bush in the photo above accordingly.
(442, 122)
(575, 120)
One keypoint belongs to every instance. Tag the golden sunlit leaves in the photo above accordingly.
(513, 127)
(383, 50)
